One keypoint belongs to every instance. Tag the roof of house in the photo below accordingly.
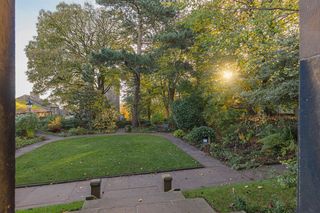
(38, 105)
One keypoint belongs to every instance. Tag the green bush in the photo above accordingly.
(55, 125)
(26, 125)
(157, 119)
(280, 143)
(179, 133)
(128, 128)
(43, 122)
(145, 123)
(77, 131)
(290, 177)
(122, 123)
(188, 112)
(198, 133)
(105, 120)
(69, 123)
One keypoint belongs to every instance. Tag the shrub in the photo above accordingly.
(188, 112)
(128, 128)
(198, 133)
(145, 123)
(179, 133)
(157, 119)
(43, 123)
(69, 123)
(280, 143)
(55, 125)
(122, 123)
(105, 120)
(290, 177)
(26, 125)
(78, 131)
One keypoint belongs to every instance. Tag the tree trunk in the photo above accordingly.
(137, 80)
(171, 94)
(136, 100)
(7, 106)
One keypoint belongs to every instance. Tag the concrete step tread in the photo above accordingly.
(196, 205)
(130, 192)
(132, 201)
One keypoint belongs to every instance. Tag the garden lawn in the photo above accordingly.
(100, 156)
(258, 196)
(55, 208)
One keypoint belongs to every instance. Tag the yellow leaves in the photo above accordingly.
(55, 125)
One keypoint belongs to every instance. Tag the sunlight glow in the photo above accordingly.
(227, 75)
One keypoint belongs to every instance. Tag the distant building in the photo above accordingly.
(39, 106)
(113, 97)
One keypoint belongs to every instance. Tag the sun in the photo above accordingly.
(227, 75)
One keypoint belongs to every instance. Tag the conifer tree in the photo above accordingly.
(141, 20)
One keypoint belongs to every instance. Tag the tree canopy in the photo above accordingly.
(230, 54)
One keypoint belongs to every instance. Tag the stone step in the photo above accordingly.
(197, 205)
(131, 192)
(133, 200)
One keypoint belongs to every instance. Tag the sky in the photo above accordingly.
(26, 20)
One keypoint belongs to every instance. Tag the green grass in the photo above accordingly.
(258, 196)
(55, 208)
(100, 156)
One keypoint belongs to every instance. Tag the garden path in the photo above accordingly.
(213, 173)
(26, 149)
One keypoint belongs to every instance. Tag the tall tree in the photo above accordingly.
(174, 64)
(260, 39)
(59, 56)
(141, 19)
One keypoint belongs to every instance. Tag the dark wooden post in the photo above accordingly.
(7, 106)
(309, 121)
(96, 188)
(167, 182)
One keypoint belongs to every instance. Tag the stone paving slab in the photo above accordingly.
(51, 194)
(196, 205)
(130, 192)
(133, 200)
(115, 210)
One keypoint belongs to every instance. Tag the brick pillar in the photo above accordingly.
(7, 106)
(309, 121)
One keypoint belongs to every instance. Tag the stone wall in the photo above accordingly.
(309, 124)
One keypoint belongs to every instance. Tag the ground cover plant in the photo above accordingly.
(256, 141)
(90, 157)
(61, 208)
(265, 196)
(22, 142)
